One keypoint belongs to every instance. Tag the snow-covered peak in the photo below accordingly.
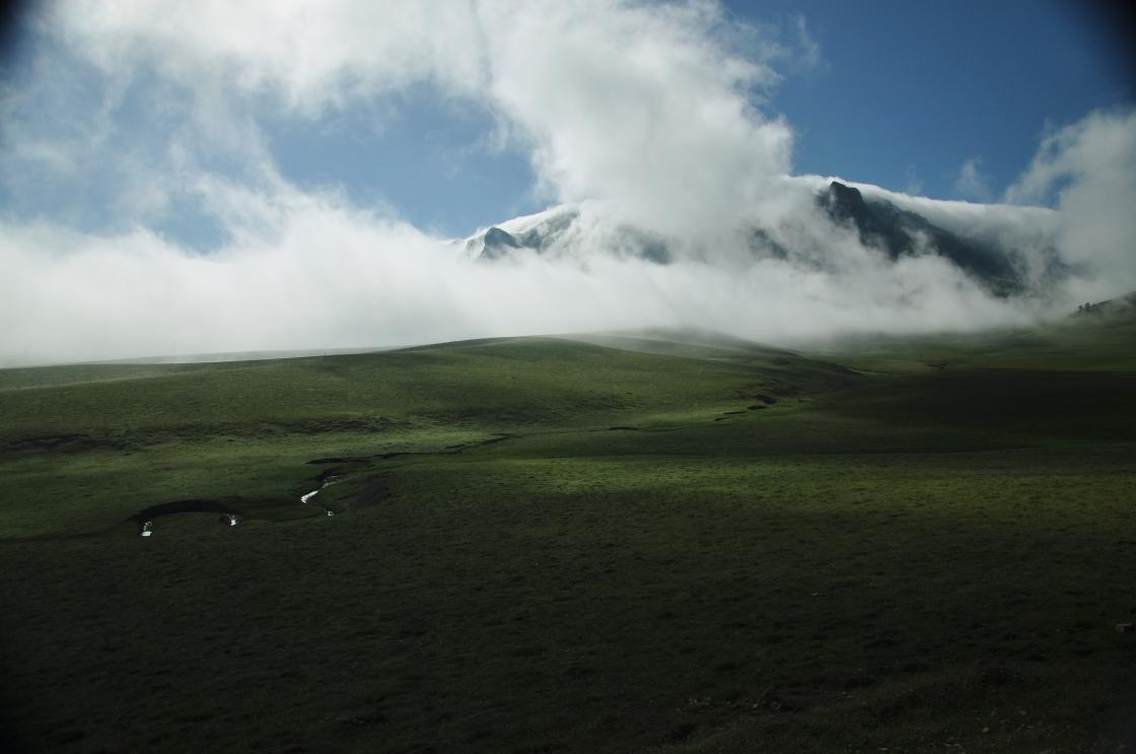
(537, 231)
(1005, 248)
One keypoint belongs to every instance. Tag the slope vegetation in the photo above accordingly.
(663, 541)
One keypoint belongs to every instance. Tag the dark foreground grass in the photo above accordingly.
(764, 554)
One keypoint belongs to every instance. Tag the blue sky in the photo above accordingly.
(428, 155)
(909, 90)
(899, 94)
(902, 94)
(217, 176)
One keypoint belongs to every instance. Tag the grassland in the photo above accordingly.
(612, 543)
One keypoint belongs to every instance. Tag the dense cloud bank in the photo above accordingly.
(640, 116)
(325, 275)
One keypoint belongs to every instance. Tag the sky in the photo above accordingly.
(175, 178)
(905, 94)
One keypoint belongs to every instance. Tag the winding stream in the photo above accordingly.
(306, 499)
(145, 518)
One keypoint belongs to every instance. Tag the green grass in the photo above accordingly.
(1074, 343)
(666, 543)
(86, 450)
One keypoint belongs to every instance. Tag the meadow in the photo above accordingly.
(659, 542)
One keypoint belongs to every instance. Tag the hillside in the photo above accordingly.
(248, 428)
(662, 541)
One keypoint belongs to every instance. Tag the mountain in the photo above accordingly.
(1121, 307)
(537, 232)
(898, 232)
(998, 259)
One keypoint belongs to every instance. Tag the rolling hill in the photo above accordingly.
(661, 541)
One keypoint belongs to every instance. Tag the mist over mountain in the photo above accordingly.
(157, 214)
(1003, 263)
(897, 232)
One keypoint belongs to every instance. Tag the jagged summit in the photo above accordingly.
(843, 202)
(534, 232)
(899, 232)
(497, 242)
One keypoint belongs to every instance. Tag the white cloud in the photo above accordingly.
(645, 105)
(810, 48)
(315, 53)
(311, 271)
(913, 183)
(1089, 170)
(644, 112)
(637, 105)
(971, 183)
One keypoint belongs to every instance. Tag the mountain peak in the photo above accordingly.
(843, 202)
(899, 232)
(497, 237)
(877, 221)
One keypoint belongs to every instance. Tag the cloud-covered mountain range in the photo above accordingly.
(649, 129)
(985, 243)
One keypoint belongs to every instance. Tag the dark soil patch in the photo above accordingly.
(182, 506)
(328, 475)
(69, 442)
(345, 459)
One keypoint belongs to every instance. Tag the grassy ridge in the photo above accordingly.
(494, 385)
(79, 456)
(1084, 342)
(676, 544)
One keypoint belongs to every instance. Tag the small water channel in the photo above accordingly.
(146, 517)
(307, 498)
